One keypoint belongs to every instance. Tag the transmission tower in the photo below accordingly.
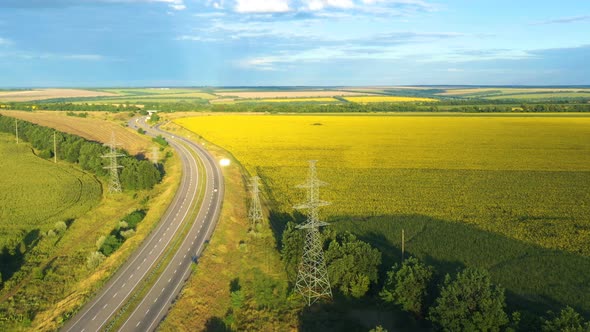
(155, 154)
(255, 213)
(114, 183)
(312, 278)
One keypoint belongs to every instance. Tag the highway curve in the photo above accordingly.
(146, 316)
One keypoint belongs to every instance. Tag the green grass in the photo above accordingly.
(36, 193)
(503, 192)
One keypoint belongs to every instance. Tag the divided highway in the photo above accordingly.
(146, 316)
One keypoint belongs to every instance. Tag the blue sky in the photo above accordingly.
(96, 43)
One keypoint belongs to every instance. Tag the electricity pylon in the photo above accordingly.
(312, 278)
(155, 154)
(114, 183)
(255, 213)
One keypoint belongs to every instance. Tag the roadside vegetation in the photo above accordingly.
(48, 272)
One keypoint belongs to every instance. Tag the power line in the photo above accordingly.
(114, 183)
(312, 278)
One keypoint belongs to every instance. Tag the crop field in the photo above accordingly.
(35, 193)
(41, 94)
(387, 99)
(286, 94)
(89, 128)
(295, 100)
(510, 194)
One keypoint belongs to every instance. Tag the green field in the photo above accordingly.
(507, 193)
(36, 193)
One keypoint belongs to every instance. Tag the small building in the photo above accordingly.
(152, 112)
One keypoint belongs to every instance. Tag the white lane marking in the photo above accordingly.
(117, 293)
(151, 251)
(138, 324)
(147, 311)
(93, 318)
(163, 289)
(104, 306)
(124, 285)
(144, 259)
(186, 212)
(131, 277)
(175, 271)
(169, 279)
(155, 300)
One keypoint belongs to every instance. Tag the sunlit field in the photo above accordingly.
(387, 99)
(511, 194)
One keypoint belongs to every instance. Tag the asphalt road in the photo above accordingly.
(96, 314)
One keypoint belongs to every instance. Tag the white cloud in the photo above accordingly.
(82, 57)
(174, 4)
(316, 5)
(262, 6)
(4, 41)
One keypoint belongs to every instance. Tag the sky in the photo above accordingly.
(97, 43)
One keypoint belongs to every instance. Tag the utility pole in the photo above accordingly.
(16, 129)
(54, 148)
(312, 278)
(403, 244)
(255, 213)
(114, 183)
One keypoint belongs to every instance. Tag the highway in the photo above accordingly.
(146, 316)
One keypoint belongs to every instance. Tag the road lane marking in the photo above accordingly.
(93, 318)
(138, 324)
(104, 306)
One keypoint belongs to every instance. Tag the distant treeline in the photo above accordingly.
(447, 105)
(136, 174)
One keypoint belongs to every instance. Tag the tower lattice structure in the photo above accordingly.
(255, 212)
(312, 277)
(114, 182)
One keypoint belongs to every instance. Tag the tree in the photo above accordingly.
(568, 320)
(352, 264)
(291, 250)
(407, 285)
(469, 303)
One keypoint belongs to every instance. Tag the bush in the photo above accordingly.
(469, 303)
(568, 320)
(94, 260)
(100, 241)
(352, 264)
(134, 218)
(110, 245)
(60, 227)
(127, 233)
(407, 285)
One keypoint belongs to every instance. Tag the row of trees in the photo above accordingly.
(468, 301)
(446, 105)
(136, 174)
